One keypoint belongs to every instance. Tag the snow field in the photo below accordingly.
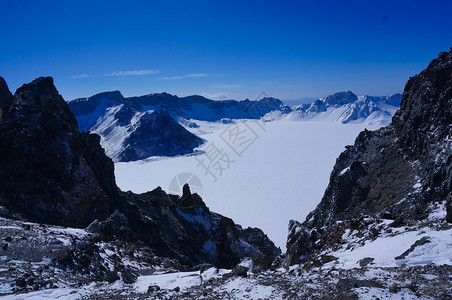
(281, 175)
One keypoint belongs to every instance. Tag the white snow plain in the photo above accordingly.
(278, 171)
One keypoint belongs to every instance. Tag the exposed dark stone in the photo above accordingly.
(49, 172)
(5, 95)
(424, 240)
(240, 271)
(449, 209)
(394, 288)
(299, 243)
(20, 282)
(115, 226)
(365, 261)
(188, 199)
(324, 259)
(112, 276)
(89, 105)
(185, 107)
(398, 222)
(204, 267)
(252, 243)
(153, 288)
(350, 283)
(394, 172)
(128, 276)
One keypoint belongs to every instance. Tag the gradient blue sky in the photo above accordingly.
(222, 49)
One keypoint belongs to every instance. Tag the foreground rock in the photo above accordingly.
(50, 173)
(398, 172)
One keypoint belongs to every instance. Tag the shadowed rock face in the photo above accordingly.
(5, 94)
(49, 172)
(156, 133)
(53, 174)
(397, 170)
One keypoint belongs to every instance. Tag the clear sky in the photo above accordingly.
(221, 49)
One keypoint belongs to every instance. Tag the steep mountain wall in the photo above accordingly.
(49, 171)
(392, 173)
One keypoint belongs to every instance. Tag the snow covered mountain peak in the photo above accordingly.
(340, 98)
(344, 107)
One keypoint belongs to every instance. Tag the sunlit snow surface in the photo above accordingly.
(282, 175)
(388, 246)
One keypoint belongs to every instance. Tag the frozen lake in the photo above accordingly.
(260, 176)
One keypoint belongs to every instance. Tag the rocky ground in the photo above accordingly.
(42, 261)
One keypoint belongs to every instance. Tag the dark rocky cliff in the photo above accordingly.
(394, 172)
(51, 173)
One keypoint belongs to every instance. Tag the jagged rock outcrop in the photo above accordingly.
(5, 94)
(394, 172)
(5, 97)
(50, 173)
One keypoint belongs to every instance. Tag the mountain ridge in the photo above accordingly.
(116, 118)
(400, 172)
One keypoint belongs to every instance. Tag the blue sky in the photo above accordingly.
(221, 49)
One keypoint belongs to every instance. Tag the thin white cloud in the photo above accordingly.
(80, 76)
(193, 75)
(172, 78)
(119, 73)
(133, 73)
(216, 96)
(197, 75)
(227, 86)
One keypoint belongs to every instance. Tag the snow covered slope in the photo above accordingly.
(129, 134)
(344, 107)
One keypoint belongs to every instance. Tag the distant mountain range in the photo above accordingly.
(344, 107)
(134, 128)
(138, 127)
